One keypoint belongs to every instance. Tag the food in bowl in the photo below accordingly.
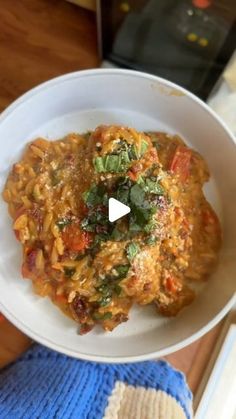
(95, 270)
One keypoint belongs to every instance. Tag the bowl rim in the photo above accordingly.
(104, 358)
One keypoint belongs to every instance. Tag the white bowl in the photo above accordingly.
(81, 101)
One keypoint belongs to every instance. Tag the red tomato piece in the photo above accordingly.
(180, 163)
(171, 285)
(133, 176)
(75, 239)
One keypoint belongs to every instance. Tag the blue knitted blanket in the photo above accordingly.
(45, 384)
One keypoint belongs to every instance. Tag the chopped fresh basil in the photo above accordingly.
(110, 284)
(122, 271)
(68, 271)
(63, 222)
(142, 197)
(133, 152)
(95, 195)
(117, 235)
(99, 164)
(137, 195)
(104, 289)
(123, 195)
(140, 215)
(144, 147)
(113, 163)
(151, 240)
(132, 250)
(150, 226)
(104, 301)
(119, 161)
(134, 227)
(152, 186)
(102, 316)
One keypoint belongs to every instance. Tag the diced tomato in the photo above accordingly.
(171, 285)
(180, 163)
(75, 239)
(133, 176)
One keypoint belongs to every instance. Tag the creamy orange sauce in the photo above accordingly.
(57, 195)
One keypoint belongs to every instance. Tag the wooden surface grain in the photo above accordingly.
(41, 39)
(193, 359)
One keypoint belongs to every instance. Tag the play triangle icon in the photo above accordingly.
(116, 209)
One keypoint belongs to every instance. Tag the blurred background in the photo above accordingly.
(190, 42)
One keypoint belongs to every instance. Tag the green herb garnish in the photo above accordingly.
(104, 301)
(153, 187)
(99, 164)
(110, 284)
(104, 289)
(151, 240)
(102, 316)
(132, 250)
(137, 195)
(144, 146)
(133, 152)
(117, 235)
(112, 163)
(122, 271)
(96, 195)
(150, 226)
(120, 160)
(150, 185)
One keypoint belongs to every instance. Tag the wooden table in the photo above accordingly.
(41, 39)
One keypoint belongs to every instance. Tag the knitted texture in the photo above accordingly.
(45, 384)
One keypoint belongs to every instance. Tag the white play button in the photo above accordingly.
(116, 209)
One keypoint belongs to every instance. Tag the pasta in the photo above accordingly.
(95, 270)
